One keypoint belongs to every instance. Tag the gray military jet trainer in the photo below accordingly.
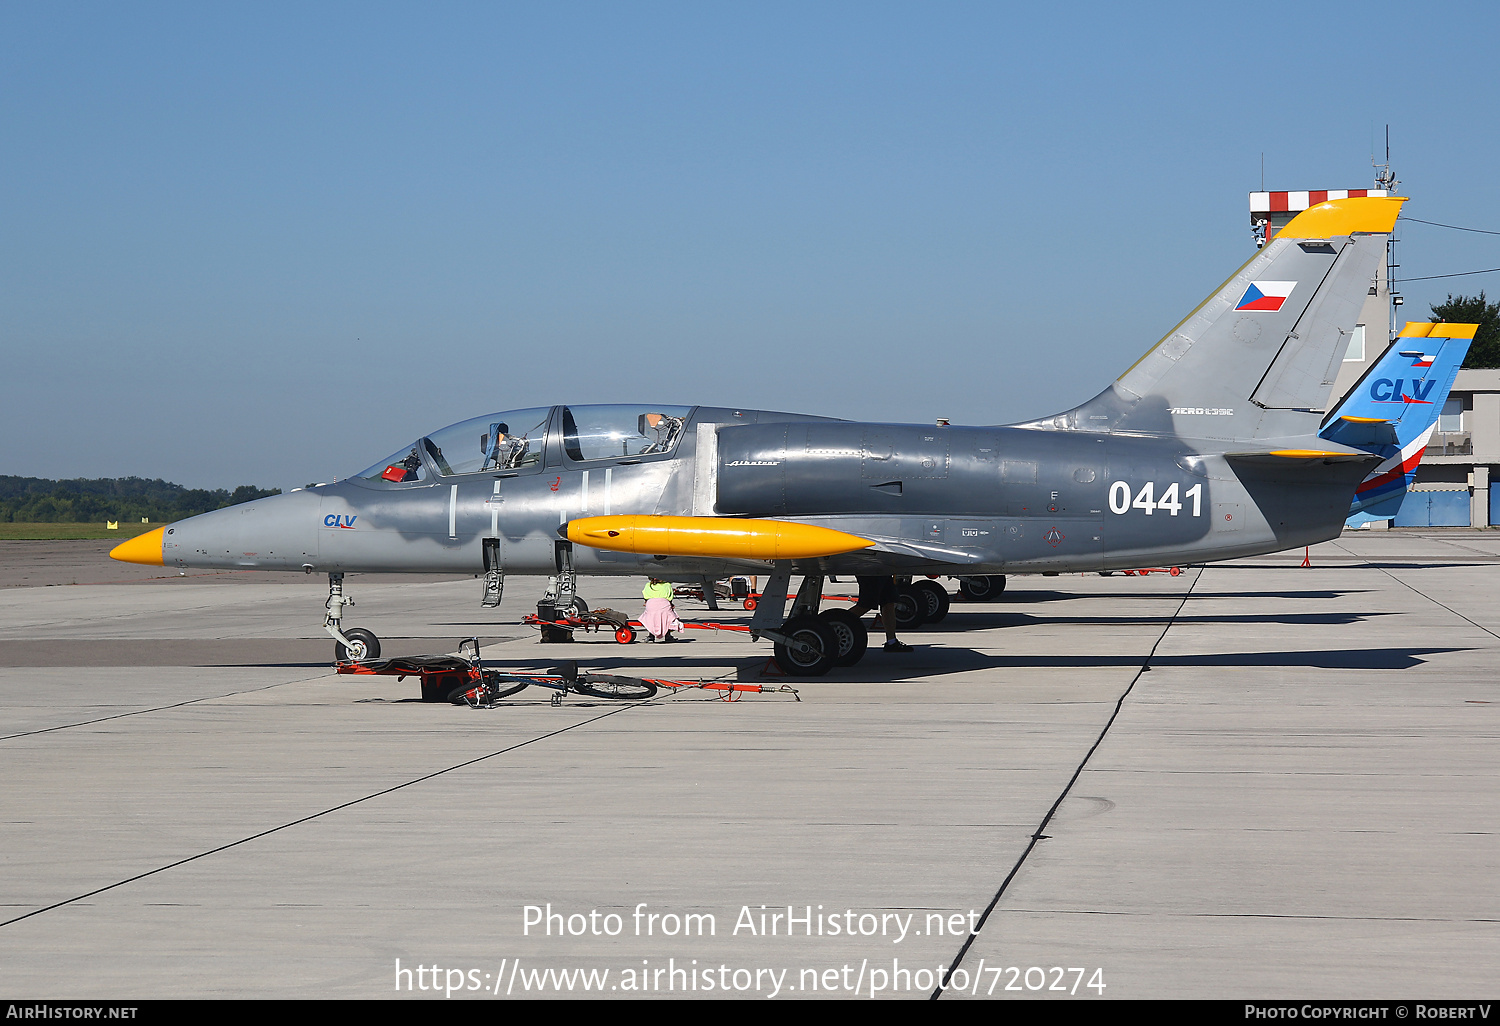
(1207, 448)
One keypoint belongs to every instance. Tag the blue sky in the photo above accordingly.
(271, 243)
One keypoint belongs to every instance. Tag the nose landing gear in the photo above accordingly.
(356, 644)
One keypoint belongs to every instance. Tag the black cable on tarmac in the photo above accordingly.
(1038, 834)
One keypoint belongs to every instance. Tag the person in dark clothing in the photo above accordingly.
(880, 592)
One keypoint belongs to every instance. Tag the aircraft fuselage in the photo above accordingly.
(955, 500)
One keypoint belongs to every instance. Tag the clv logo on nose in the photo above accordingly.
(345, 521)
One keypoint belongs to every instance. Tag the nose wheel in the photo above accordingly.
(362, 645)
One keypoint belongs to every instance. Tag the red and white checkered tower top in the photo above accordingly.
(1277, 208)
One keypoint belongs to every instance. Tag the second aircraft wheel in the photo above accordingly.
(936, 597)
(849, 631)
(982, 589)
(818, 637)
(910, 607)
(363, 645)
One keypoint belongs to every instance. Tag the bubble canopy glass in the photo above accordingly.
(616, 432)
(510, 440)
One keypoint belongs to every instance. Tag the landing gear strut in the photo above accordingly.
(807, 644)
(356, 644)
(494, 574)
(561, 601)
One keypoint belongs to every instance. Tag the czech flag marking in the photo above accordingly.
(1420, 359)
(1266, 295)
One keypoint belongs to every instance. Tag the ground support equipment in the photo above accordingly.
(465, 680)
(625, 630)
(711, 591)
(443, 676)
(729, 692)
(588, 620)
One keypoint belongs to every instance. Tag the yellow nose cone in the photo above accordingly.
(143, 548)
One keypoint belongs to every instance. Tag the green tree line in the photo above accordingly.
(1485, 350)
(36, 500)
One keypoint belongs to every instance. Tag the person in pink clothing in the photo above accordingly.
(660, 617)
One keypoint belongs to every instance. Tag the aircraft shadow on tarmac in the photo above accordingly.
(972, 621)
(929, 663)
(1017, 597)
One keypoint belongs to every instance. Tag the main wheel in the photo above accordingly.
(817, 636)
(849, 631)
(936, 597)
(910, 608)
(982, 589)
(363, 645)
(626, 689)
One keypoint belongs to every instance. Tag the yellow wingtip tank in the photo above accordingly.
(143, 548)
(715, 537)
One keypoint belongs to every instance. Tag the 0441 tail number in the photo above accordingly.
(1120, 501)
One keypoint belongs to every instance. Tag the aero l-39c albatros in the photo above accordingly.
(1217, 443)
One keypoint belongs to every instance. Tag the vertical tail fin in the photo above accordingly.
(1258, 357)
(1393, 409)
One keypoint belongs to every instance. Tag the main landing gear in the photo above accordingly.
(356, 644)
(809, 643)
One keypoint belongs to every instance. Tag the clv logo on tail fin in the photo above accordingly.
(1393, 409)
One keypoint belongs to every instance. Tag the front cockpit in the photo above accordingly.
(515, 442)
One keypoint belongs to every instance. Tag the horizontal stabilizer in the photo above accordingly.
(1325, 454)
(1361, 432)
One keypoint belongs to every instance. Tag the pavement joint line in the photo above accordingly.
(158, 708)
(315, 815)
(1426, 596)
(1037, 834)
(1466, 548)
